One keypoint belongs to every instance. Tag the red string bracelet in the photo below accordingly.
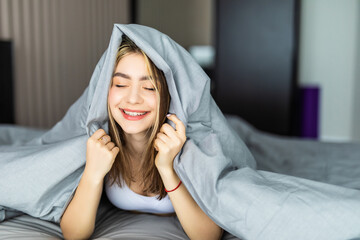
(174, 188)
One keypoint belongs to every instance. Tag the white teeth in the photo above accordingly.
(134, 113)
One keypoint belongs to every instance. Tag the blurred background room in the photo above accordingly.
(287, 67)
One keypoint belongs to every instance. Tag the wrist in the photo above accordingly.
(89, 177)
(166, 171)
(169, 178)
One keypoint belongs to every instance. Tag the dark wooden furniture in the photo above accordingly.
(6, 83)
(256, 62)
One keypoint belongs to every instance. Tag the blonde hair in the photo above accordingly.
(151, 179)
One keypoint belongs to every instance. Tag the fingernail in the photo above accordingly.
(168, 115)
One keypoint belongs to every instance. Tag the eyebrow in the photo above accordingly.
(123, 75)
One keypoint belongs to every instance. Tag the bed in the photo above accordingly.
(111, 222)
(271, 152)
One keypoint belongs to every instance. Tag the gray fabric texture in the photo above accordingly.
(334, 163)
(39, 176)
(111, 223)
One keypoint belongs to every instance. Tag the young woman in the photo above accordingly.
(136, 159)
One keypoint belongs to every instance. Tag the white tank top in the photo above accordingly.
(124, 198)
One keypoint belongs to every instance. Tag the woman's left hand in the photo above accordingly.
(169, 142)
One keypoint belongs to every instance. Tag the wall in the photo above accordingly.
(329, 47)
(188, 22)
(356, 107)
(56, 47)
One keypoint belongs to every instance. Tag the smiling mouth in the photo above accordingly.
(133, 113)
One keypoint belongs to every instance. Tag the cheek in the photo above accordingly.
(113, 96)
(153, 102)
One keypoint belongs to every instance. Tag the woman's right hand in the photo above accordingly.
(100, 155)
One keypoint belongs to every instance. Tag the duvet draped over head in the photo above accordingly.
(39, 177)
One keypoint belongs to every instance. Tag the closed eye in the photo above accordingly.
(120, 85)
(150, 89)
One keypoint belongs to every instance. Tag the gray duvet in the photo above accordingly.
(253, 185)
(111, 223)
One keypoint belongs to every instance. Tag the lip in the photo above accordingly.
(133, 118)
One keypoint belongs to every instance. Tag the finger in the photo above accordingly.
(163, 137)
(155, 146)
(115, 150)
(98, 134)
(159, 144)
(110, 145)
(105, 139)
(179, 126)
(168, 130)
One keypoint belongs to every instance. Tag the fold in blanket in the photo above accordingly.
(39, 177)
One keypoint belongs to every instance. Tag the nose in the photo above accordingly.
(134, 95)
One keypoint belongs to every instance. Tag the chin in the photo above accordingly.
(134, 130)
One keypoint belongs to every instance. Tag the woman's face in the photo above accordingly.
(132, 97)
